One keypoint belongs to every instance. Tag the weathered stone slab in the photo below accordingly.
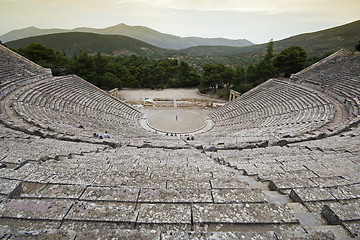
(297, 174)
(109, 180)
(40, 176)
(338, 212)
(110, 194)
(188, 183)
(279, 184)
(243, 213)
(331, 181)
(127, 234)
(173, 235)
(319, 235)
(7, 186)
(17, 224)
(346, 192)
(100, 211)
(144, 183)
(62, 191)
(31, 189)
(165, 213)
(311, 194)
(19, 173)
(353, 227)
(228, 183)
(238, 196)
(35, 209)
(72, 177)
(45, 234)
(175, 195)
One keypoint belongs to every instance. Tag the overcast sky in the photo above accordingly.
(255, 20)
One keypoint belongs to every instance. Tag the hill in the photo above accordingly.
(316, 43)
(141, 33)
(73, 43)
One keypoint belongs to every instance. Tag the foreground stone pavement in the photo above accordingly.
(281, 162)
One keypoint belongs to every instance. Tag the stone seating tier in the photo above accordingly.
(337, 75)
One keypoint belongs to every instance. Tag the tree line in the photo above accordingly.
(115, 72)
(139, 72)
(242, 79)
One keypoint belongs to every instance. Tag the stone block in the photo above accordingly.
(279, 184)
(339, 212)
(128, 234)
(243, 213)
(353, 227)
(62, 191)
(174, 235)
(8, 186)
(102, 211)
(164, 213)
(331, 181)
(311, 194)
(228, 183)
(238, 195)
(346, 192)
(110, 194)
(31, 189)
(35, 209)
(45, 234)
(188, 183)
(310, 235)
(175, 195)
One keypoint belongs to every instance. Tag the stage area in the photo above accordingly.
(176, 121)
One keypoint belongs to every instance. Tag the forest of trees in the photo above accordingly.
(139, 72)
(242, 79)
(115, 72)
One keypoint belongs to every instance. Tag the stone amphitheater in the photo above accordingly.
(280, 162)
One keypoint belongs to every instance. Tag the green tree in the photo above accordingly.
(37, 52)
(109, 81)
(100, 64)
(291, 60)
(265, 67)
(84, 67)
(251, 73)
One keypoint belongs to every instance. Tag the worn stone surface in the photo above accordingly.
(319, 235)
(189, 183)
(62, 191)
(35, 209)
(175, 195)
(127, 234)
(243, 213)
(292, 183)
(44, 234)
(311, 194)
(110, 194)
(238, 196)
(16, 224)
(331, 181)
(164, 213)
(18, 173)
(31, 189)
(346, 192)
(353, 227)
(172, 235)
(103, 211)
(7, 186)
(338, 212)
(228, 183)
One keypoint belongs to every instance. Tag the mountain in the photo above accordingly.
(73, 42)
(144, 34)
(316, 43)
